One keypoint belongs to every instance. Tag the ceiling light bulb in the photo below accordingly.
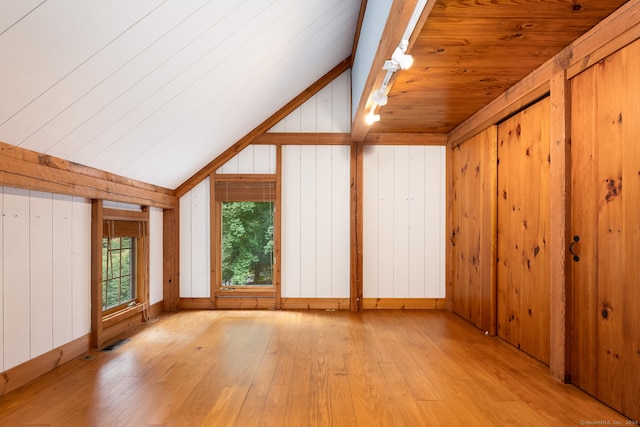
(372, 118)
(403, 60)
(379, 97)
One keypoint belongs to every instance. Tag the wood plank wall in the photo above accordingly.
(404, 222)
(44, 273)
(471, 239)
(523, 230)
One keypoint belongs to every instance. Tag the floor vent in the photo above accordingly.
(114, 345)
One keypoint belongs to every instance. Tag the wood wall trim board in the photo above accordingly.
(560, 226)
(119, 327)
(32, 171)
(281, 138)
(156, 310)
(449, 229)
(404, 303)
(421, 139)
(611, 34)
(356, 226)
(196, 304)
(230, 177)
(315, 303)
(109, 214)
(96, 272)
(121, 316)
(215, 243)
(356, 38)
(170, 258)
(277, 225)
(263, 127)
(248, 303)
(20, 375)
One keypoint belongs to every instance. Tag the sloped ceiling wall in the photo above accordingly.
(155, 89)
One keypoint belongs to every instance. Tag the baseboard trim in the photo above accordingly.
(404, 303)
(18, 376)
(314, 303)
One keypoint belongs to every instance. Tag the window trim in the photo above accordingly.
(106, 324)
(251, 182)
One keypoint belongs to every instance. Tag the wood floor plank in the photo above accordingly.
(292, 368)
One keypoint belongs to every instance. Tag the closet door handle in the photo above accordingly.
(576, 239)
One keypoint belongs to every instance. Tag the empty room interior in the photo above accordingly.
(319, 212)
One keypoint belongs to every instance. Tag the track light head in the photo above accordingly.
(403, 60)
(380, 97)
(371, 118)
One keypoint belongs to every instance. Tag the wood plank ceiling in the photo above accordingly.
(155, 89)
(469, 52)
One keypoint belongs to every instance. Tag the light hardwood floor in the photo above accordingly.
(298, 368)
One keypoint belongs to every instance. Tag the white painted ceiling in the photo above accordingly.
(156, 89)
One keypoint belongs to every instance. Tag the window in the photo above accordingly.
(247, 243)
(118, 272)
(245, 211)
(119, 269)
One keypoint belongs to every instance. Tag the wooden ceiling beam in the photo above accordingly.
(21, 168)
(278, 138)
(397, 22)
(406, 138)
(263, 127)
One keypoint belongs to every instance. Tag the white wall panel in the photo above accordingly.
(404, 220)
(185, 245)
(16, 310)
(194, 242)
(41, 271)
(340, 221)
(401, 223)
(290, 235)
(81, 257)
(324, 102)
(62, 267)
(371, 223)
(253, 159)
(292, 123)
(340, 103)
(308, 116)
(155, 256)
(326, 111)
(308, 212)
(418, 236)
(315, 221)
(323, 219)
(386, 221)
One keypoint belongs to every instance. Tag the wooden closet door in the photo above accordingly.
(472, 235)
(523, 231)
(605, 164)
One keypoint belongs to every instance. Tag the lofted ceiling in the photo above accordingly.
(155, 89)
(471, 51)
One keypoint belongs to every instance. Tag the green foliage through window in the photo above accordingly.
(247, 243)
(118, 271)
